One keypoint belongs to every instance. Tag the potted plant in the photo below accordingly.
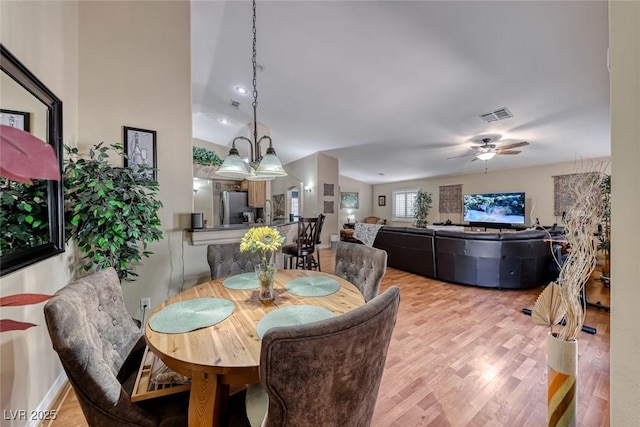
(560, 307)
(111, 212)
(205, 162)
(421, 208)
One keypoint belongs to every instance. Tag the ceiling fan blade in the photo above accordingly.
(514, 145)
(508, 151)
(474, 159)
(464, 155)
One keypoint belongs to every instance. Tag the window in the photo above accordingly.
(404, 205)
(295, 207)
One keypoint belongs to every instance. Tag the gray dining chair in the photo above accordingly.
(227, 260)
(101, 348)
(325, 373)
(361, 265)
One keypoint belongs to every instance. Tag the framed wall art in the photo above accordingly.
(382, 200)
(328, 189)
(328, 207)
(140, 148)
(15, 119)
(348, 200)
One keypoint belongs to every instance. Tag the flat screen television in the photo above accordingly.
(501, 208)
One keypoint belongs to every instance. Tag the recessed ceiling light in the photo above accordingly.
(223, 121)
(241, 90)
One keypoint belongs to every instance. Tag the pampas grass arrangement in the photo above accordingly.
(563, 298)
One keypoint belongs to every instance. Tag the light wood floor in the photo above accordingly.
(466, 356)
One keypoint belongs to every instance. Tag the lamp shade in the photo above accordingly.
(486, 156)
(233, 167)
(270, 166)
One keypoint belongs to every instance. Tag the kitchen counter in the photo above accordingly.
(232, 233)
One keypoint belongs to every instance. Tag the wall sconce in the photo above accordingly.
(308, 189)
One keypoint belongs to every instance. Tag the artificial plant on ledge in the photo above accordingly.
(111, 212)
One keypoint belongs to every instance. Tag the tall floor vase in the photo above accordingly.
(562, 392)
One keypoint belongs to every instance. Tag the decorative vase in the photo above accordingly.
(266, 274)
(562, 387)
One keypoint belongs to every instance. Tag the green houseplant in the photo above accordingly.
(421, 208)
(204, 157)
(111, 212)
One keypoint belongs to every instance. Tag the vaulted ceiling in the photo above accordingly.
(393, 89)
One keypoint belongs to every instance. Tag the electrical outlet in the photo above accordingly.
(145, 303)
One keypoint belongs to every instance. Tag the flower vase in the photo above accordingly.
(562, 387)
(266, 274)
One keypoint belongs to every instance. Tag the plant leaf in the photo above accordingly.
(548, 309)
(23, 299)
(7, 325)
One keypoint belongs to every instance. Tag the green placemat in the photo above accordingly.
(241, 281)
(291, 316)
(186, 316)
(312, 286)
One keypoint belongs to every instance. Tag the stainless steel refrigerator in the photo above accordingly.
(232, 206)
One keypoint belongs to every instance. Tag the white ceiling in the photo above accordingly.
(397, 87)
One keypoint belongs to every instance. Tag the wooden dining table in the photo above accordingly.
(228, 353)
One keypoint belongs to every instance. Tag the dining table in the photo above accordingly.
(228, 352)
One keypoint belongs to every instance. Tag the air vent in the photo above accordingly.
(496, 115)
(234, 104)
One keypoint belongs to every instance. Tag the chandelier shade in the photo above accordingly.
(260, 168)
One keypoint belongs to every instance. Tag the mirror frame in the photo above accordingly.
(9, 263)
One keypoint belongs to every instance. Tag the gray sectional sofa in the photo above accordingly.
(508, 260)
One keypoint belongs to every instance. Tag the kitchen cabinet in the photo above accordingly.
(257, 192)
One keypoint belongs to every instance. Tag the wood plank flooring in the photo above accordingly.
(466, 356)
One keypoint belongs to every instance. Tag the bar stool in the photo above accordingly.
(315, 263)
(305, 244)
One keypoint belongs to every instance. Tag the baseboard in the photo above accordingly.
(49, 399)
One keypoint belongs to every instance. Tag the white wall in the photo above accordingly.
(135, 71)
(365, 199)
(536, 182)
(43, 36)
(624, 33)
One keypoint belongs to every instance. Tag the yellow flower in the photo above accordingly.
(261, 239)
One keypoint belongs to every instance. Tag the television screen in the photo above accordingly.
(504, 208)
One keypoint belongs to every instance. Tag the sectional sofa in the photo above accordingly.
(506, 260)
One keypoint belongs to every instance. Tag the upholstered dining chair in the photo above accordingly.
(302, 250)
(101, 348)
(361, 265)
(325, 373)
(227, 260)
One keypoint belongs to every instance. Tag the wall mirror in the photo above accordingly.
(31, 215)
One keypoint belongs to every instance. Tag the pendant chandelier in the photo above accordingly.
(262, 168)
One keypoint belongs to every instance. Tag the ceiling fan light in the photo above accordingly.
(486, 156)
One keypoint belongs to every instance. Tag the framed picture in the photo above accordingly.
(140, 148)
(382, 200)
(348, 200)
(328, 207)
(328, 189)
(15, 119)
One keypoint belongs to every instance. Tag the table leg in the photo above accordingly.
(207, 401)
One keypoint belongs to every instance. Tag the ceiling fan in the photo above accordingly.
(488, 148)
